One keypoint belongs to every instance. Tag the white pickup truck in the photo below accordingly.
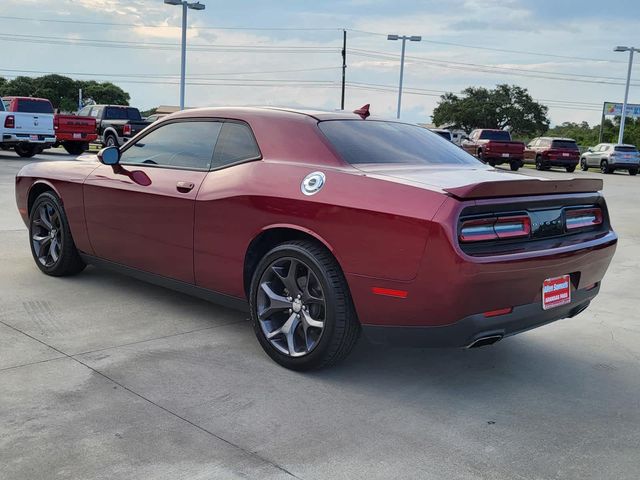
(27, 133)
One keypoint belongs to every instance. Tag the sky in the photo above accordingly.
(288, 52)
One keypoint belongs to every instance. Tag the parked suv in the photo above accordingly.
(547, 152)
(611, 157)
(495, 147)
(116, 124)
(446, 134)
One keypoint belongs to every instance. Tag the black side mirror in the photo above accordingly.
(109, 156)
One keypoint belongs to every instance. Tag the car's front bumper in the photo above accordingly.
(469, 330)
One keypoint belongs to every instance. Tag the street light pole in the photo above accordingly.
(183, 60)
(626, 90)
(404, 38)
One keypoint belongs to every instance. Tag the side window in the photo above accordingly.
(236, 143)
(187, 145)
(84, 112)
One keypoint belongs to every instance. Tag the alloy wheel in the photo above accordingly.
(46, 234)
(291, 306)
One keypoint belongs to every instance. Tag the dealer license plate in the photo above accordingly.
(77, 135)
(33, 137)
(505, 155)
(556, 291)
(565, 154)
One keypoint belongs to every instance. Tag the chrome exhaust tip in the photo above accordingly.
(484, 341)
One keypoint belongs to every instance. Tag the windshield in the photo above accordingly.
(569, 144)
(501, 135)
(34, 106)
(626, 149)
(366, 141)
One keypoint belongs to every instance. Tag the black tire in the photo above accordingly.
(75, 148)
(26, 150)
(571, 169)
(341, 327)
(480, 156)
(66, 261)
(539, 163)
(633, 171)
(110, 140)
(514, 166)
(604, 167)
(583, 165)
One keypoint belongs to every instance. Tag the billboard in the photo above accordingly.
(615, 109)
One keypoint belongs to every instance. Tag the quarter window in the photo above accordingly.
(236, 144)
(187, 145)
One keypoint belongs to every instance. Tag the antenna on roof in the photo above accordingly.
(363, 111)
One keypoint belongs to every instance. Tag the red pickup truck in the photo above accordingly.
(74, 133)
(495, 147)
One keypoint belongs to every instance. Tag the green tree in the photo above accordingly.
(506, 106)
(104, 92)
(63, 91)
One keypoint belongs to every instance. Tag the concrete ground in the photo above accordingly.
(105, 377)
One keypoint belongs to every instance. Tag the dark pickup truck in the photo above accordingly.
(116, 124)
(495, 147)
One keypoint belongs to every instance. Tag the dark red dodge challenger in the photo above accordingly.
(325, 224)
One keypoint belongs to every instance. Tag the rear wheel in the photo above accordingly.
(571, 169)
(583, 165)
(26, 150)
(604, 167)
(538, 163)
(633, 171)
(111, 141)
(75, 148)
(301, 309)
(50, 237)
(514, 166)
(480, 156)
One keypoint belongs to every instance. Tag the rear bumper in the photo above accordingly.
(497, 158)
(560, 162)
(76, 137)
(474, 327)
(15, 138)
(624, 166)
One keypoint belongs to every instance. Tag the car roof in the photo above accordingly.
(18, 97)
(274, 111)
(619, 144)
(564, 139)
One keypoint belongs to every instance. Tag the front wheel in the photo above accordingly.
(50, 237)
(301, 309)
(604, 167)
(583, 165)
(26, 150)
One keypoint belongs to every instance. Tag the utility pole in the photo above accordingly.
(626, 90)
(79, 99)
(404, 38)
(344, 65)
(183, 58)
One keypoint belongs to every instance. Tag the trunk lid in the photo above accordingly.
(479, 182)
(75, 124)
(505, 147)
(33, 123)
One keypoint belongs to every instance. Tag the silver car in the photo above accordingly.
(611, 157)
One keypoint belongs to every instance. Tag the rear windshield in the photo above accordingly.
(569, 144)
(366, 141)
(122, 113)
(34, 106)
(501, 135)
(2, 109)
(626, 149)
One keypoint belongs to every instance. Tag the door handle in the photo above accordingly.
(185, 187)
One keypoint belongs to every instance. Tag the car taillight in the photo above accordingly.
(495, 228)
(126, 130)
(56, 122)
(582, 218)
(10, 121)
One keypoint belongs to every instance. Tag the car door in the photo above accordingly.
(469, 145)
(140, 213)
(593, 155)
(530, 151)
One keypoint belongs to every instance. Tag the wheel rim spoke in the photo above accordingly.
(291, 306)
(46, 234)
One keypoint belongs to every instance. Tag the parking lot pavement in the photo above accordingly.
(102, 376)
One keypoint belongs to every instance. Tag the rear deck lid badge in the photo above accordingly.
(312, 183)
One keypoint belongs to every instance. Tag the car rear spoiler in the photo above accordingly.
(532, 186)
